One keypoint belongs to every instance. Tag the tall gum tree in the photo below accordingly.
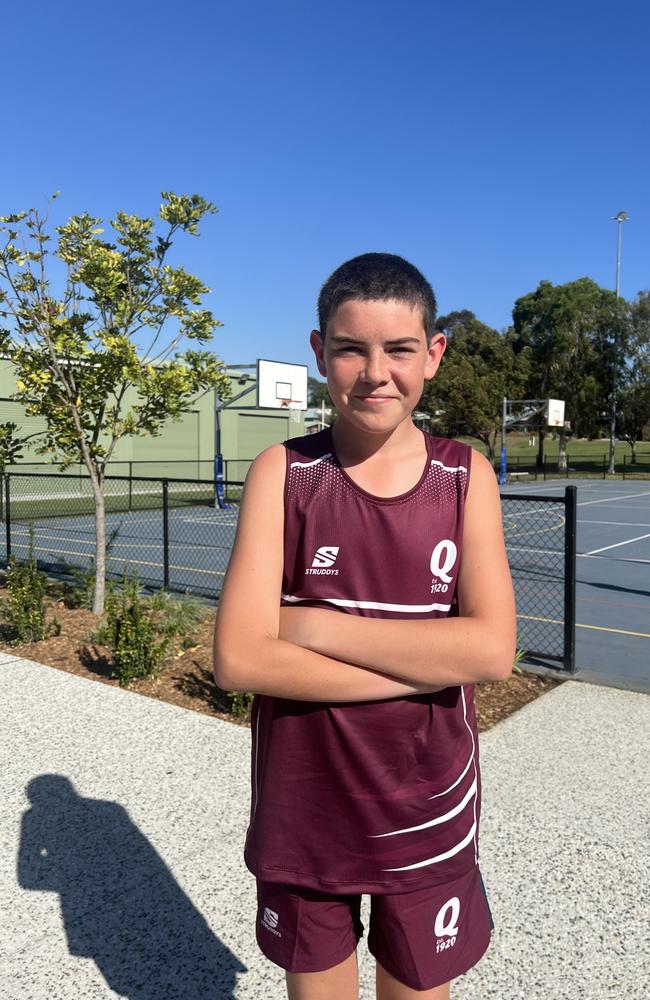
(76, 354)
(478, 369)
(577, 335)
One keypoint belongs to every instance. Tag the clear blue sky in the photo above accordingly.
(490, 143)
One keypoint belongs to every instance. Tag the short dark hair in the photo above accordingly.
(373, 277)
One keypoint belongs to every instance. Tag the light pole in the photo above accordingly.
(619, 218)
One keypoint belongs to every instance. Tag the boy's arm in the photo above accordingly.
(479, 645)
(248, 653)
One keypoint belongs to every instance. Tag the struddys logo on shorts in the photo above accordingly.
(323, 561)
(270, 920)
(446, 924)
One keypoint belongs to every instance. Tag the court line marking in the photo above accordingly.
(125, 545)
(138, 562)
(596, 628)
(616, 545)
(623, 524)
(624, 496)
(586, 555)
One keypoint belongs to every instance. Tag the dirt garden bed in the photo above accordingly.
(186, 680)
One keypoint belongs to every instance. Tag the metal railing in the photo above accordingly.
(540, 535)
(589, 466)
(178, 534)
(175, 533)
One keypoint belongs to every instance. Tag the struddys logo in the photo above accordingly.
(443, 560)
(446, 924)
(323, 561)
(270, 920)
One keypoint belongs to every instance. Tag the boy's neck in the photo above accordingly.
(354, 446)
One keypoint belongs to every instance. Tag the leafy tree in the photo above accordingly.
(577, 335)
(317, 392)
(633, 414)
(479, 368)
(76, 358)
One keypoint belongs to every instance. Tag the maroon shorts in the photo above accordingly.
(423, 938)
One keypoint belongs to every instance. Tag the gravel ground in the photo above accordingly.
(123, 820)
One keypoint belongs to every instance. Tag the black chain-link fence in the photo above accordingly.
(178, 534)
(590, 466)
(174, 533)
(540, 534)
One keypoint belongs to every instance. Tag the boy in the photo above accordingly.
(368, 590)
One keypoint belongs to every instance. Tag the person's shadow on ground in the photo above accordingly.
(121, 905)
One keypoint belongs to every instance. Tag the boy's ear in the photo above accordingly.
(435, 353)
(318, 347)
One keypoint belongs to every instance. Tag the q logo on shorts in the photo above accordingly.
(446, 924)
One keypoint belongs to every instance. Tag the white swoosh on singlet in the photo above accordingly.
(306, 465)
(340, 602)
(434, 822)
(448, 468)
(439, 857)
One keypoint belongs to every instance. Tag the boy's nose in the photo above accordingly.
(375, 369)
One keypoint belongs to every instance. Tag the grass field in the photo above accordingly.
(584, 457)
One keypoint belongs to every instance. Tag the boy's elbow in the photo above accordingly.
(502, 661)
(239, 665)
(228, 669)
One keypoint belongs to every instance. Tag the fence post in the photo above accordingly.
(7, 516)
(624, 462)
(165, 499)
(570, 524)
(604, 466)
(130, 486)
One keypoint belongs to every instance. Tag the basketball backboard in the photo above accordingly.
(555, 412)
(281, 385)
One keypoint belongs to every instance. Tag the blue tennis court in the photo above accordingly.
(613, 562)
(613, 578)
(200, 541)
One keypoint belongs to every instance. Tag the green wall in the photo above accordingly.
(185, 448)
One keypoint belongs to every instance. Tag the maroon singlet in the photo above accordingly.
(371, 797)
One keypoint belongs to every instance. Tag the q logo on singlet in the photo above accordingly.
(443, 559)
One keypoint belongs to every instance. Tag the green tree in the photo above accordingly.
(478, 369)
(576, 334)
(317, 395)
(76, 357)
(633, 410)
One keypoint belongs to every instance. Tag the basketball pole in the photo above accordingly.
(503, 471)
(619, 218)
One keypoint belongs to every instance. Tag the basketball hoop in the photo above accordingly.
(294, 406)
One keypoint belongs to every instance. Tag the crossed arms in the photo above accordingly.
(308, 655)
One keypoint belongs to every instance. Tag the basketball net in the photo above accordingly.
(293, 406)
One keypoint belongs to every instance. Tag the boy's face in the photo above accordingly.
(376, 359)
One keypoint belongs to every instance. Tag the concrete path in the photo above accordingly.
(123, 819)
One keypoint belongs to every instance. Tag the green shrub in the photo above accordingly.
(137, 648)
(24, 609)
(177, 618)
(241, 703)
(519, 655)
(79, 593)
(142, 632)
